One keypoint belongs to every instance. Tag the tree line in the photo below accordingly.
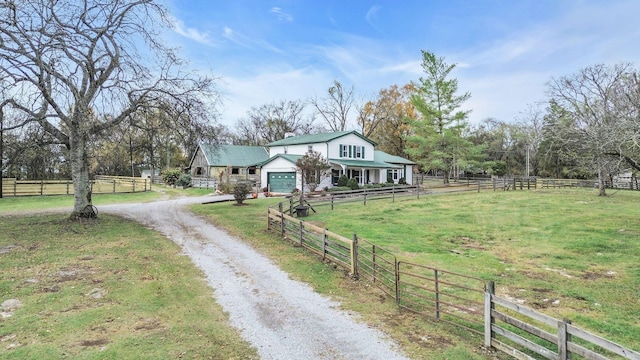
(88, 87)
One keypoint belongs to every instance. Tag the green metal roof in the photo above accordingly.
(380, 155)
(316, 138)
(365, 164)
(234, 155)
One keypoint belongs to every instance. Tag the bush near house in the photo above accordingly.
(171, 176)
(353, 184)
(240, 192)
(184, 180)
(342, 180)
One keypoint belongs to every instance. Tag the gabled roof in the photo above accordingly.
(234, 155)
(289, 157)
(317, 138)
(379, 155)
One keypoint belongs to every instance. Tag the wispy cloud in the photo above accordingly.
(192, 33)
(247, 42)
(281, 15)
(371, 16)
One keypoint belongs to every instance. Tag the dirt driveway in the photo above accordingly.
(282, 318)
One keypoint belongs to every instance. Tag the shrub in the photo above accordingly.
(225, 188)
(342, 180)
(184, 180)
(402, 181)
(353, 184)
(240, 192)
(171, 176)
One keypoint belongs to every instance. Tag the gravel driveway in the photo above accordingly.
(282, 318)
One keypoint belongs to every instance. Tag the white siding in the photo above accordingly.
(278, 165)
(351, 139)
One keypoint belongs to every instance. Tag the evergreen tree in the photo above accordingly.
(438, 141)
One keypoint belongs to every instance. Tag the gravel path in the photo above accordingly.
(282, 318)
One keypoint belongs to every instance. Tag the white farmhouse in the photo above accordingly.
(348, 152)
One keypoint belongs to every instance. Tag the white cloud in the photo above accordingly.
(282, 16)
(371, 16)
(192, 33)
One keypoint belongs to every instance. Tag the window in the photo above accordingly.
(199, 171)
(235, 171)
(309, 148)
(358, 152)
(396, 174)
(252, 171)
(344, 150)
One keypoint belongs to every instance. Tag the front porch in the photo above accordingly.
(364, 172)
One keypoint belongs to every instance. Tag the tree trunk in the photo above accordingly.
(445, 177)
(601, 184)
(80, 175)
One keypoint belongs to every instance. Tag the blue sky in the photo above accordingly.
(505, 51)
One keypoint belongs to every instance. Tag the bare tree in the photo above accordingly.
(66, 60)
(586, 119)
(270, 122)
(335, 108)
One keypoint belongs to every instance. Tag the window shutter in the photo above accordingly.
(340, 153)
(362, 152)
(350, 150)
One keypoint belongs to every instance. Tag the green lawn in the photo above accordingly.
(105, 289)
(540, 246)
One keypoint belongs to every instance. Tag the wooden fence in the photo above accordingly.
(460, 300)
(527, 334)
(204, 182)
(100, 185)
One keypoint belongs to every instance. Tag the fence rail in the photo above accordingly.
(204, 182)
(525, 334)
(100, 185)
(460, 300)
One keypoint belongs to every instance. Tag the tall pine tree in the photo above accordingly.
(438, 141)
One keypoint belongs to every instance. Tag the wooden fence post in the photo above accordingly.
(67, 187)
(393, 193)
(494, 185)
(354, 256)
(418, 191)
(563, 338)
(281, 224)
(488, 318)
(41, 187)
(397, 279)
(268, 220)
(301, 232)
(435, 273)
(291, 206)
(365, 198)
(478, 187)
(324, 244)
(114, 186)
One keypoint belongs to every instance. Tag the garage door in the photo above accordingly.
(282, 182)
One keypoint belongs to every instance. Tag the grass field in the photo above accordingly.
(567, 253)
(419, 338)
(33, 203)
(105, 289)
